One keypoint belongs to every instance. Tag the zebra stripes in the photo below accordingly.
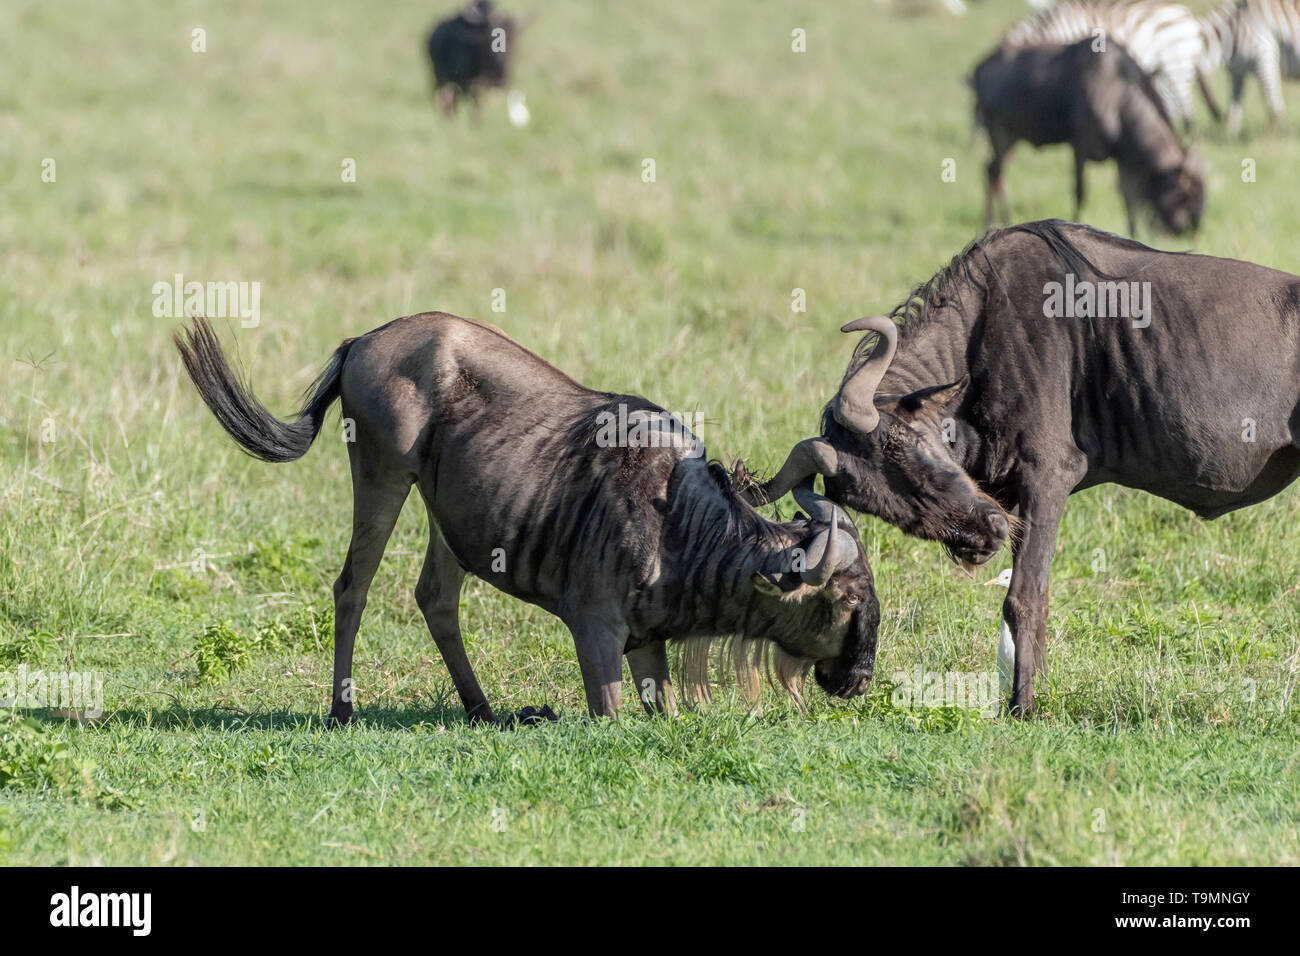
(1165, 39)
(1254, 36)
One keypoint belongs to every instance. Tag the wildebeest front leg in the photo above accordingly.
(447, 97)
(1130, 188)
(600, 657)
(438, 595)
(1025, 609)
(1078, 183)
(997, 184)
(377, 500)
(992, 187)
(652, 679)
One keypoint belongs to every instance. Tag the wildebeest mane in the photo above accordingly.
(976, 268)
(743, 520)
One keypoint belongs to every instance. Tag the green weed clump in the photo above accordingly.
(33, 757)
(224, 649)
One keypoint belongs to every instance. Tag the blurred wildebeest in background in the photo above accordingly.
(599, 508)
(1173, 373)
(1105, 106)
(470, 51)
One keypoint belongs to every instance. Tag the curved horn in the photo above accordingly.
(834, 548)
(819, 507)
(812, 456)
(855, 406)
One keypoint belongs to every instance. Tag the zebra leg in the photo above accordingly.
(438, 595)
(1179, 99)
(1269, 69)
(653, 682)
(1207, 92)
(377, 498)
(1234, 111)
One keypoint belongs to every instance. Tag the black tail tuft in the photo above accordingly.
(231, 399)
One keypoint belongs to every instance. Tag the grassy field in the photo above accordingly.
(136, 541)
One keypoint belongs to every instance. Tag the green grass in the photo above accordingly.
(136, 541)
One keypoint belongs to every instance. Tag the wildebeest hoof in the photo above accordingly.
(338, 718)
(530, 715)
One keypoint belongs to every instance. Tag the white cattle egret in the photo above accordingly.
(517, 108)
(1006, 646)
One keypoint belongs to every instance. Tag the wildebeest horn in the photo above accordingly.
(812, 456)
(855, 407)
(831, 550)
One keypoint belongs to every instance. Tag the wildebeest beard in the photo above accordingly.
(751, 657)
(702, 661)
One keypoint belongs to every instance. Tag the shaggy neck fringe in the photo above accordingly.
(702, 662)
(742, 543)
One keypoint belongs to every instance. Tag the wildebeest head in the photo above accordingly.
(823, 607)
(1178, 195)
(886, 455)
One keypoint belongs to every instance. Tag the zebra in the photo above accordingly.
(1165, 39)
(1254, 36)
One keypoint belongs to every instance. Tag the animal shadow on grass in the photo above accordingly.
(176, 717)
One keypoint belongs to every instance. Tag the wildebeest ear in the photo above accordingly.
(933, 398)
(765, 585)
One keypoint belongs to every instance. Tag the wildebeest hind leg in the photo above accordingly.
(377, 499)
(653, 682)
(438, 595)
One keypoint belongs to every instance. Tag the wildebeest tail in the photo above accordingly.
(232, 401)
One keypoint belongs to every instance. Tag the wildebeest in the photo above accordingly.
(1104, 105)
(595, 506)
(470, 51)
(1004, 394)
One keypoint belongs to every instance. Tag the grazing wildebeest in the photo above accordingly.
(597, 507)
(470, 51)
(1174, 373)
(1104, 105)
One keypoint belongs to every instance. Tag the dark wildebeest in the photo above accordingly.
(1178, 374)
(1106, 107)
(597, 507)
(470, 51)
